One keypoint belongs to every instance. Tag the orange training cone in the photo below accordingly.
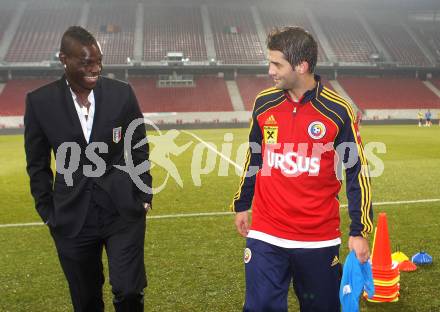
(386, 274)
(381, 257)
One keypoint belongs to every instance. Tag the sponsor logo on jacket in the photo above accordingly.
(292, 163)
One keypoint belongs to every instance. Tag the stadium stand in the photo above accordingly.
(250, 85)
(39, 32)
(173, 29)
(6, 13)
(178, 27)
(399, 43)
(436, 83)
(429, 33)
(12, 98)
(208, 95)
(389, 93)
(114, 27)
(235, 36)
(272, 18)
(349, 40)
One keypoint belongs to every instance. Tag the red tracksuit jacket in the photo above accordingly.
(290, 178)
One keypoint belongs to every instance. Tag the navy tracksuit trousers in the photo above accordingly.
(270, 269)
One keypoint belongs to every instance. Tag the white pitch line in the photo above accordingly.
(20, 224)
(223, 213)
(215, 150)
(186, 215)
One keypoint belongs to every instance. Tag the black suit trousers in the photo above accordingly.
(81, 258)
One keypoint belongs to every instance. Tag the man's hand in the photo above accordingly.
(360, 247)
(147, 206)
(242, 223)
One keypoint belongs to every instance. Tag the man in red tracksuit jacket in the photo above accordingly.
(300, 135)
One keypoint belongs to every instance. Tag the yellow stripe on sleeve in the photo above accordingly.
(363, 177)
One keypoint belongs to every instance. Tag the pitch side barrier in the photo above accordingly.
(232, 125)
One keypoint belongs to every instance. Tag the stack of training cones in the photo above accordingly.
(386, 273)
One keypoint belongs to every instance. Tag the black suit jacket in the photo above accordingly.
(50, 120)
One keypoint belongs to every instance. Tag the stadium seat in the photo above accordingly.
(389, 93)
(398, 42)
(250, 85)
(114, 27)
(347, 37)
(6, 13)
(208, 95)
(428, 32)
(274, 17)
(12, 98)
(41, 27)
(173, 29)
(436, 83)
(235, 36)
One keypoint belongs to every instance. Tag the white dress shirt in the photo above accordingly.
(86, 124)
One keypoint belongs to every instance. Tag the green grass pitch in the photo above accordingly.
(194, 263)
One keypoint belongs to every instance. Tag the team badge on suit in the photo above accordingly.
(117, 134)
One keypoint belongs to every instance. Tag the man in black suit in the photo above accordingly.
(92, 204)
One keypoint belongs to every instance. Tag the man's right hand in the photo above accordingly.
(242, 223)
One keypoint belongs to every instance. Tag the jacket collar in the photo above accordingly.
(68, 102)
(309, 94)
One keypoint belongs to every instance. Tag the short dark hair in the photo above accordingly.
(296, 44)
(78, 34)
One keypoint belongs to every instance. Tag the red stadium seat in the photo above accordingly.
(208, 95)
(250, 86)
(12, 98)
(389, 93)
